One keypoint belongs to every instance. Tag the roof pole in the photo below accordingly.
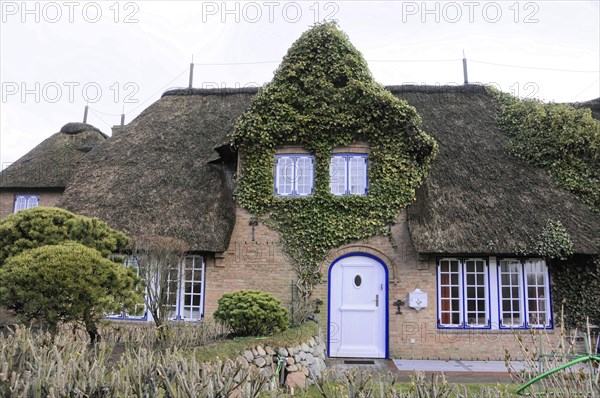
(123, 116)
(191, 72)
(85, 112)
(465, 68)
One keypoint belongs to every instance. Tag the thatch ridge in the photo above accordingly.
(76, 127)
(51, 163)
(478, 198)
(593, 105)
(155, 178)
(392, 88)
(211, 91)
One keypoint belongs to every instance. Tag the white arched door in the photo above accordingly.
(357, 308)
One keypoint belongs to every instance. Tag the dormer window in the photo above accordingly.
(294, 175)
(348, 174)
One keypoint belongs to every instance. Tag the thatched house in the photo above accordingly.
(476, 208)
(452, 279)
(40, 176)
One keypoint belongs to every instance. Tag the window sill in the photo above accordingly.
(492, 331)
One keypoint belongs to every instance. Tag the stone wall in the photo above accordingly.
(298, 361)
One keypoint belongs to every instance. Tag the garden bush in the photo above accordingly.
(252, 313)
(65, 283)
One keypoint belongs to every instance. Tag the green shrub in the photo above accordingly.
(41, 226)
(252, 313)
(65, 283)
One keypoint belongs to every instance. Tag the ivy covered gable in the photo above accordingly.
(323, 96)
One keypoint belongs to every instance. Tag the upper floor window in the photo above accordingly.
(23, 202)
(294, 175)
(348, 174)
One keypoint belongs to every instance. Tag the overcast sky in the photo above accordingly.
(120, 56)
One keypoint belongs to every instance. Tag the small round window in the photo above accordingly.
(357, 281)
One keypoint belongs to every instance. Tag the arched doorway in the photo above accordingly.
(357, 309)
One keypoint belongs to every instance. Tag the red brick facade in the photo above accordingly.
(261, 264)
(7, 200)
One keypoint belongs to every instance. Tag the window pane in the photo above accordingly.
(23, 202)
(139, 309)
(32, 201)
(337, 175)
(537, 293)
(357, 170)
(511, 293)
(192, 287)
(20, 203)
(476, 292)
(284, 175)
(304, 175)
(172, 291)
(449, 292)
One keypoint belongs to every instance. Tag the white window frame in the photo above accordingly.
(131, 262)
(460, 292)
(177, 293)
(527, 294)
(25, 201)
(194, 310)
(289, 182)
(349, 180)
(179, 312)
(527, 267)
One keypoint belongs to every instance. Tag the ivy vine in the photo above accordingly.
(563, 139)
(323, 96)
(576, 290)
(554, 242)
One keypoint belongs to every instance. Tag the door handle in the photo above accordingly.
(376, 300)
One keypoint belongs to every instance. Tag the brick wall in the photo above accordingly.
(261, 264)
(7, 200)
(249, 264)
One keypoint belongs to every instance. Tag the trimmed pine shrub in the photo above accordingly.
(252, 313)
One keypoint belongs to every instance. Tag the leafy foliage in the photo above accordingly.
(155, 257)
(252, 313)
(553, 242)
(558, 137)
(41, 226)
(323, 96)
(64, 283)
(576, 286)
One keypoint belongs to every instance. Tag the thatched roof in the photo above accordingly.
(159, 175)
(162, 175)
(51, 163)
(593, 105)
(478, 198)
